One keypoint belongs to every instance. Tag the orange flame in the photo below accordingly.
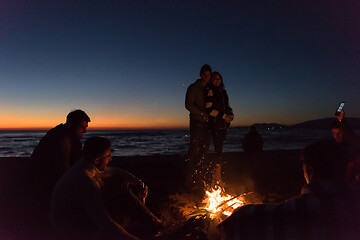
(217, 202)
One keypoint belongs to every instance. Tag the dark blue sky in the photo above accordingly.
(128, 63)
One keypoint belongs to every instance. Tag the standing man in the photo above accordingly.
(56, 152)
(199, 128)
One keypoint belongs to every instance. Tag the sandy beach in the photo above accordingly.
(272, 176)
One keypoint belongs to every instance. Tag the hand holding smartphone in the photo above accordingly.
(338, 110)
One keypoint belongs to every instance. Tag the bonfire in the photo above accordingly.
(218, 203)
(201, 220)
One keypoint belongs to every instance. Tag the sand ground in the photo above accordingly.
(272, 176)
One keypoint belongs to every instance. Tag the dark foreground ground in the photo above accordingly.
(272, 176)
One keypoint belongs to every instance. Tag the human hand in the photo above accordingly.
(341, 116)
(144, 190)
(205, 117)
(229, 118)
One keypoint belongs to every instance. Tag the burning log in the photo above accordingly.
(218, 203)
(201, 223)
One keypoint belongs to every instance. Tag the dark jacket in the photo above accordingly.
(195, 101)
(217, 99)
(350, 145)
(349, 135)
(324, 210)
(78, 210)
(56, 152)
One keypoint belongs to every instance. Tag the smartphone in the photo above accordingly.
(338, 110)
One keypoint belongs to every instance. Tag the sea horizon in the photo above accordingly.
(324, 123)
(129, 142)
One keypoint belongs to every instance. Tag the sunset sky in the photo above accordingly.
(128, 63)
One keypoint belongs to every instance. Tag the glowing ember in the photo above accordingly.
(218, 202)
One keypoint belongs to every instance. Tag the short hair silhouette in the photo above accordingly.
(204, 68)
(94, 147)
(77, 116)
(325, 158)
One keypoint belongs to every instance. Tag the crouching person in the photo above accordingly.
(328, 207)
(82, 203)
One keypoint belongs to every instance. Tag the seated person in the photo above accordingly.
(78, 206)
(347, 139)
(353, 171)
(349, 143)
(328, 207)
(252, 141)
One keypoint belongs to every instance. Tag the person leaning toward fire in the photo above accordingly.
(328, 207)
(349, 142)
(83, 207)
(199, 129)
(220, 116)
(55, 153)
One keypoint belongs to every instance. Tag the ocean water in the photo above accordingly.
(148, 142)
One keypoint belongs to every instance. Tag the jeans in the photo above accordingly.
(218, 135)
(198, 148)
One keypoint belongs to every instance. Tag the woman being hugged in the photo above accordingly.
(221, 114)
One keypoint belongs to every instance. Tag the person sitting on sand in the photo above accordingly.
(346, 138)
(56, 152)
(82, 206)
(328, 207)
(252, 142)
(349, 142)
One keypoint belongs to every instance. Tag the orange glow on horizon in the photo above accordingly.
(100, 124)
(100, 121)
(96, 127)
(95, 124)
